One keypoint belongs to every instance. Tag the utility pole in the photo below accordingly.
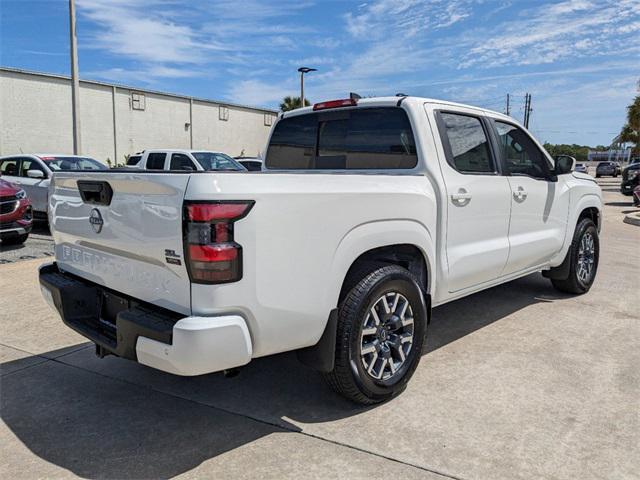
(508, 105)
(75, 82)
(527, 109)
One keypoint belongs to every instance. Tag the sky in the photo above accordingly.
(579, 59)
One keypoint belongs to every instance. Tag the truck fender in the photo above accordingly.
(356, 242)
(584, 202)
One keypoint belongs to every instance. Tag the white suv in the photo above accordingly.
(189, 160)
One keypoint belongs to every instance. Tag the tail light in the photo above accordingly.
(212, 254)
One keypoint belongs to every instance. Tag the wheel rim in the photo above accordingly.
(387, 336)
(586, 258)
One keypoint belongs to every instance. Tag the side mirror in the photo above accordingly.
(35, 174)
(564, 164)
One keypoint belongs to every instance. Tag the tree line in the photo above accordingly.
(579, 152)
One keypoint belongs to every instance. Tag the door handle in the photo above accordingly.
(520, 194)
(462, 198)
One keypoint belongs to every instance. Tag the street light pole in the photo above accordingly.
(75, 82)
(302, 71)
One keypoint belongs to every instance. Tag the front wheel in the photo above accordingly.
(380, 333)
(583, 257)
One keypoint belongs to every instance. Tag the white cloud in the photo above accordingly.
(167, 38)
(548, 33)
(406, 18)
(257, 92)
(127, 29)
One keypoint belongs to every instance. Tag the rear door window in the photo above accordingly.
(355, 139)
(180, 161)
(155, 161)
(466, 143)
(133, 160)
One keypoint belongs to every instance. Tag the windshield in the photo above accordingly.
(217, 161)
(73, 163)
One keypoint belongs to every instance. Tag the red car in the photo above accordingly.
(16, 214)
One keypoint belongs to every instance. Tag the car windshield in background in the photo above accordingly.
(72, 163)
(217, 161)
(355, 139)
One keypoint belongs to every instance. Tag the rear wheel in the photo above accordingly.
(583, 257)
(380, 333)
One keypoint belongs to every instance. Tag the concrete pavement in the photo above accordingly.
(519, 381)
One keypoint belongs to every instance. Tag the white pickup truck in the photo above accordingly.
(367, 214)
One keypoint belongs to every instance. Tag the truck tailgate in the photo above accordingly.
(130, 242)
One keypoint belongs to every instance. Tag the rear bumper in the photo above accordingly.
(150, 335)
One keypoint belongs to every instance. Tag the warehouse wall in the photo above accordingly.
(35, 116)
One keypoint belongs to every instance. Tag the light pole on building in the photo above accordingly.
(75, 82)
(302, 71)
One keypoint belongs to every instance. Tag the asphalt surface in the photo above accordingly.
(38, 245)
(519, 381)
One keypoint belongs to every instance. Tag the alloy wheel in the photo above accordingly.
(387, 336)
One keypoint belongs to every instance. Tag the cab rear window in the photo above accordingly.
(354, 139)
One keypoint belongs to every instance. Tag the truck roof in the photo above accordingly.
(394, 101)
(178, 150)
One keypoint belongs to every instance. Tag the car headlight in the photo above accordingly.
(632, 174)
(21, 194)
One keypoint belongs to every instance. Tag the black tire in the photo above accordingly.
(575, 283)
(14, 239)
(597, 176)
(349, 376)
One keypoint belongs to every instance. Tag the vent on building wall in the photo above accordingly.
(137, 101)
(223, 113)
(268, 119)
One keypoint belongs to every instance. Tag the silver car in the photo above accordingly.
(581, 167)
(33, 173)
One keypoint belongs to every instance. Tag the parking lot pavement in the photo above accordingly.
(519, 381)
(38, 245)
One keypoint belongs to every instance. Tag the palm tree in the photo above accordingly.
(291, 103)
(631, 131)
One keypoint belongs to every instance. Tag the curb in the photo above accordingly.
(632, 219)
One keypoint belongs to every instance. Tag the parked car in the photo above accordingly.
(611, 169)
(630, 178)
(33, 173)
(373, 211)
(188, 160)
(253, 164)
(16, 214)
(582, 168)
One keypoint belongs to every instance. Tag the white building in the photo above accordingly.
(35, 116)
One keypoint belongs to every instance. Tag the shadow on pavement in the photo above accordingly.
(113, 418)
(41, 227)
